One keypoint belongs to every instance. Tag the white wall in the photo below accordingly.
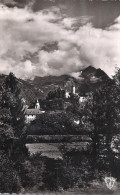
(29, 118)
(82, 99)
(67, 95)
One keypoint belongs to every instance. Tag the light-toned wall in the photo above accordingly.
(82, 99)
(29, 118)
(73, 90)
(67, 95)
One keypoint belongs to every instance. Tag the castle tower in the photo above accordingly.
(73, 89)
(67, 94)
(37, 105)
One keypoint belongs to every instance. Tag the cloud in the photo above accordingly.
(75, 23)
(25, 35)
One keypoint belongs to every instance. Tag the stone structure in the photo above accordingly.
(37, 105)
(73, 89)
(68, 93)
(82, 99)
(30, 114)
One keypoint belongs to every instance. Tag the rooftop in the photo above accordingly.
(33, 111)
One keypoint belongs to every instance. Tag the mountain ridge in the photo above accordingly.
(89, 79)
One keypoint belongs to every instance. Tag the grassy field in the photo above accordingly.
(49, 150)
(52, 150)
(57, 138)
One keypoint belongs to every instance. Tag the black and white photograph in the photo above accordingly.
(60, 97)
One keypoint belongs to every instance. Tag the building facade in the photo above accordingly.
(30, 114)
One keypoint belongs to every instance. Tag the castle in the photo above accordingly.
(73, 92)
(68, 94)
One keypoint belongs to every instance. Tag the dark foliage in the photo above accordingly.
(12, 135)
(98, 118)
(57, 123)
(9, 178)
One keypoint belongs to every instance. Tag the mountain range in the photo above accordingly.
(88, 80)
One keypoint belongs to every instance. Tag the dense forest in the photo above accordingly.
(99, 119)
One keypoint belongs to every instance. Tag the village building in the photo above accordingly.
(82, 99)
(30, 114)
(67, 95)
(37, 105)
(72, 93)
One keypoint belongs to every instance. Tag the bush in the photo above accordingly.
(9, 179)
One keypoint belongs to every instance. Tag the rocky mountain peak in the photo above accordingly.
(91, 72)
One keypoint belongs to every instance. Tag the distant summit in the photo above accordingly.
(91, 72)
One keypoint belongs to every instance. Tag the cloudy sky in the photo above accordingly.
(55, 37)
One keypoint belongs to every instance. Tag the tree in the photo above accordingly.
(9, 178)
(11, 82)
(11, 101)
(102, 110)
(12, 135)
